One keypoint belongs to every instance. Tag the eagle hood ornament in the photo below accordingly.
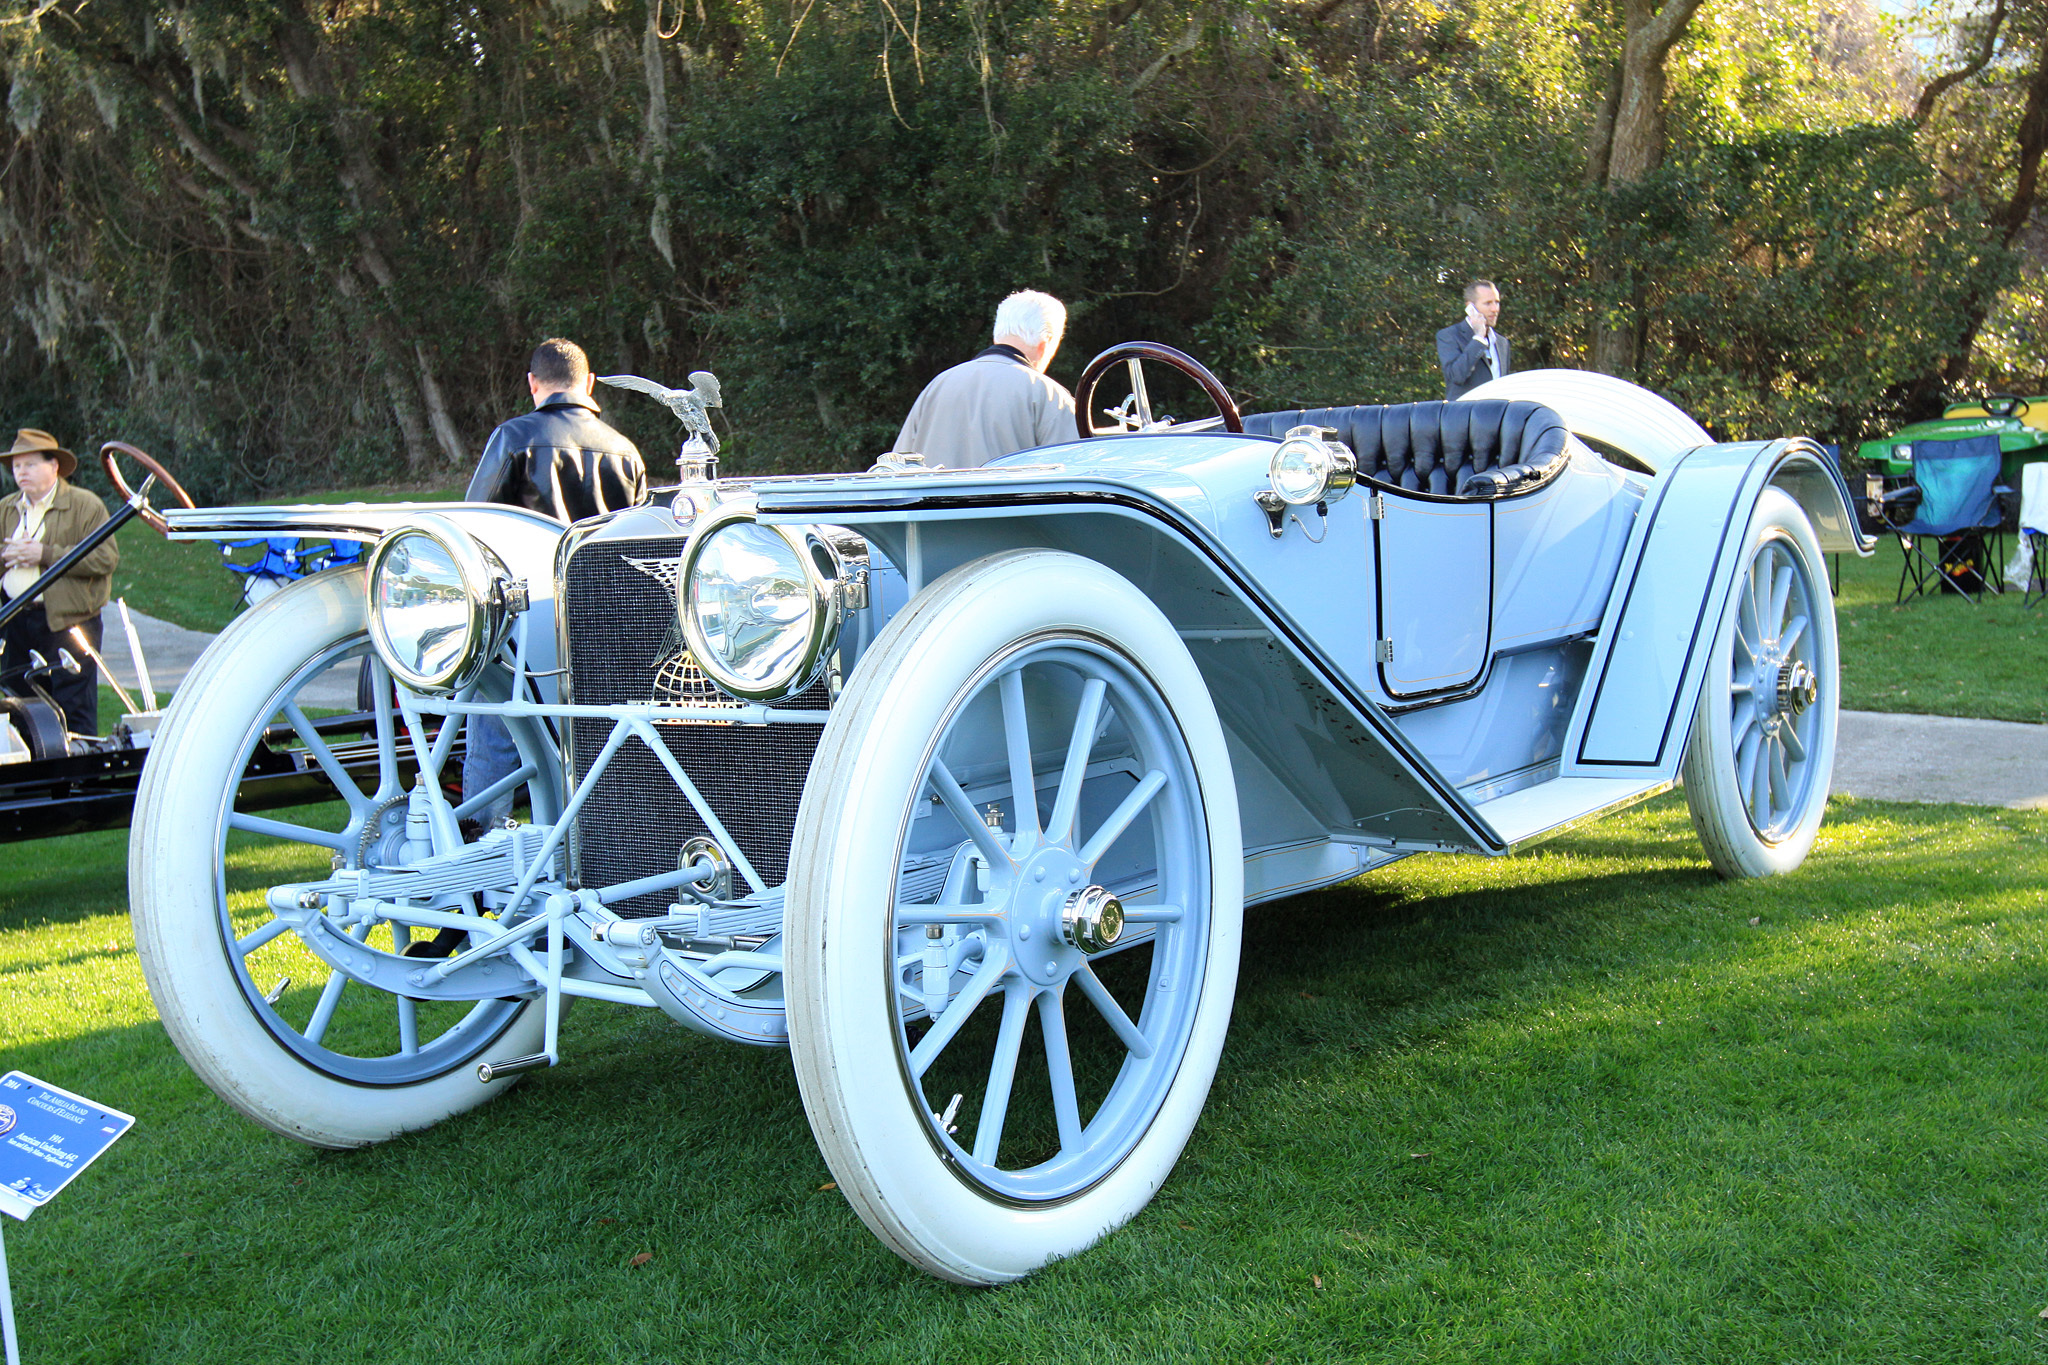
(692, 406)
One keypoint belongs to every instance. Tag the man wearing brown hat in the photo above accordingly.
(39, 523)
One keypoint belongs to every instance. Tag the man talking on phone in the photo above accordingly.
(1473, 351)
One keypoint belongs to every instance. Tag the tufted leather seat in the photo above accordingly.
(1479, 449)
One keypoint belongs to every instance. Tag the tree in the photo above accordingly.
(1627, 144)
(293, 244)
(2005, 48)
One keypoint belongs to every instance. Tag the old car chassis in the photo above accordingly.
(957, 782)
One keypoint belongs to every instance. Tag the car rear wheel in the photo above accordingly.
(1013, 917)
(1763, 740)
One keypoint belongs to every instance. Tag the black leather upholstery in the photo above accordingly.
(1476, 449)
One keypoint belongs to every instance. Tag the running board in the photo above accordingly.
(1551, 808)
(1290, 869)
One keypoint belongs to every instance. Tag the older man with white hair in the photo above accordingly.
(1001, 400)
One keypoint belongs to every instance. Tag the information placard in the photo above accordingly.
(47, 1136)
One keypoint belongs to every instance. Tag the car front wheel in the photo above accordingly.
(303, 1048)
(1013, 916)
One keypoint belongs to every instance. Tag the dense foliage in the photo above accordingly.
(294, 243)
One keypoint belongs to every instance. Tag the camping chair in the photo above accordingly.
(276, 566)
(2034, 530)
(1956, 500)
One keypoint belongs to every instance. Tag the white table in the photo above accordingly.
(2033, 547)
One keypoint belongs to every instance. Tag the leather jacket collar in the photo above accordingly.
(566, 399)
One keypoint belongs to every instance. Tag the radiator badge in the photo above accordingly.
(676, 680)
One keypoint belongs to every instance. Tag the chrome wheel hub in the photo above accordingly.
(1092, 919)
(1786, 689)
(1046, 883)
(1798, 688)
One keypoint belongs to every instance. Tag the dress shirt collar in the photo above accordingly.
(48, 501)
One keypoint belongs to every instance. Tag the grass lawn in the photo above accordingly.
(1938, 655)
(1589, 1103)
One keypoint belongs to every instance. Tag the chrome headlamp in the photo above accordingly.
(1903, 452)
(760, 605)
(437, 604)
(1311, 466)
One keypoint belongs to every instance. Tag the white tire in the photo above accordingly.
(988, 675)
(366, 1065)
(1762, 752)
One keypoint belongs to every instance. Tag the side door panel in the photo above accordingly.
(1435, 591)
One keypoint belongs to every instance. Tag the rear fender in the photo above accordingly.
(1634, 715)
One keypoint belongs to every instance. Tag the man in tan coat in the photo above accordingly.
(39, 523)
(1000, 401)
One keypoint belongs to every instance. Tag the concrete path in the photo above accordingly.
(1887, 757)
(170, 651)
(1941, 758)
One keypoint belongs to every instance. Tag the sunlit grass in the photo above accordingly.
(1938, 654)
(1588, 1103)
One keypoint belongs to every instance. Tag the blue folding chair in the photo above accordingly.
(1956, 502)
(285, 560)
(312, 558)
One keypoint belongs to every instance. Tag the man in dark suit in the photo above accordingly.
(1473, 351)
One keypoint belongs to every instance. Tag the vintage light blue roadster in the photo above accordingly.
(957, 783)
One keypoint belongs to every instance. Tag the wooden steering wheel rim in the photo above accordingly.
(149, 462)
(1084, 392)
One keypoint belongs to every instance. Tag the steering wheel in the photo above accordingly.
(2005, 405)
(157, 472)
(1135, 412)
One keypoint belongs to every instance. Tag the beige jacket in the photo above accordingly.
(989, 406)
(79, 594)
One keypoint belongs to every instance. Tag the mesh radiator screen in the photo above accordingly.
(624, 646)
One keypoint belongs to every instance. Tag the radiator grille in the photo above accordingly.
(624, 646)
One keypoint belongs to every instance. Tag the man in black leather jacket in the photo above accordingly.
(563, 461)
(560, 459)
